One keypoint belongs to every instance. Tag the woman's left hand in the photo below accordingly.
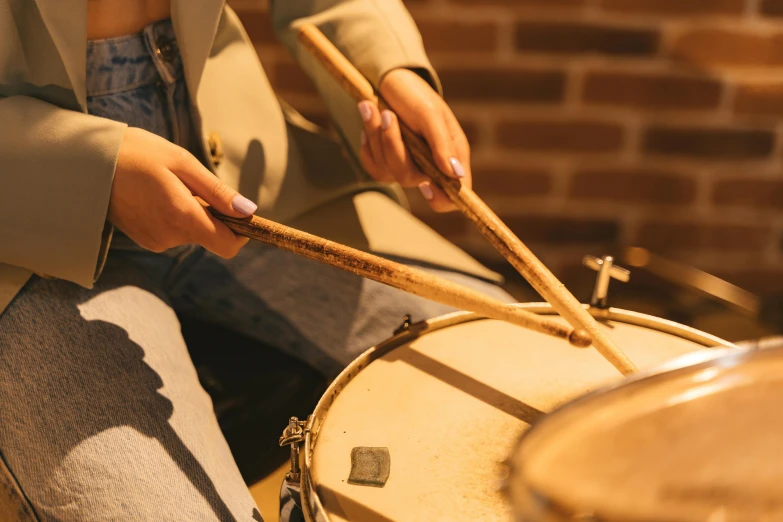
(383, 152)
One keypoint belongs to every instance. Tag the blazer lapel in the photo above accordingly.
(195, 24)
(66, 21)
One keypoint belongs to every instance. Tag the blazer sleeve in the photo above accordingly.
(55, 183)
(377, 36)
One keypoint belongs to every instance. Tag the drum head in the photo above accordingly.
(449, 406)
(701, 443)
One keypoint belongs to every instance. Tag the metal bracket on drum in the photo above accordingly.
(405, 326)
(606, 271)
(294, 436)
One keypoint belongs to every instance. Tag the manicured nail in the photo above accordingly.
(426, 191)
(386, 120)
(364, 138)
(243, 205)
(459, 170)
(365, 109)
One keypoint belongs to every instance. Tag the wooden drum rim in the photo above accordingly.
(311, 504)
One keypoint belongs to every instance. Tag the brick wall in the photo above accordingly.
(602, 123)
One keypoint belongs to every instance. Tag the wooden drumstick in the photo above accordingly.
(490, 225)
(402, 277)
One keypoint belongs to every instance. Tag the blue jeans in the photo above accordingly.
(101, 413)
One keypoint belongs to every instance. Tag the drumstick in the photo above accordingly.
(397, 275)
(490, 225)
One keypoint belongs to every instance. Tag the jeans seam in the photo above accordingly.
(15, 481)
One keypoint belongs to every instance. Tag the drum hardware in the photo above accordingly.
(294, 435)
(494, 230)
(689, 277)
(405, 326)
(768, 310)
(607, 271)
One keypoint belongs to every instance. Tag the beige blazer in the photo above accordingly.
(57, 161)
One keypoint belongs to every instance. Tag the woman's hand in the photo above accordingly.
(383, 153)
(153, 203)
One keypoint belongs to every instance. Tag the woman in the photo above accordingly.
(101, 413)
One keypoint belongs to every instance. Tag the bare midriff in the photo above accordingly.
(112, 18)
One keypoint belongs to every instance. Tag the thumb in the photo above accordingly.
(210, 188)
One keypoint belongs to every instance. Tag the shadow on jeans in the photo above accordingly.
(65, 379)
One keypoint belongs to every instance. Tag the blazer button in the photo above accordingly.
(215, 148)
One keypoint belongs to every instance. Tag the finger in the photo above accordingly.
(398, 159)
(370, 165)
(372, 127)
(436, 198)
(210, 188)
(438, 135)
(215, 236)
(461, 146)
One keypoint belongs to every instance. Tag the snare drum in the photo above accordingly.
(699, 443)
(441, 404)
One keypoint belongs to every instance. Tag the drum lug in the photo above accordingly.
(607, 271)
(294, 435)
(405, 326)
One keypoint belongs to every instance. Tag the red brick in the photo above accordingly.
(558, 230)
(458, 36)
(772, 7)
(633, 186)
(665, 236)
(676, 7)
(511, 182)
(648, 91)
(258, 25)
(580, 38)
(503, 84)
(718, 46)
(709, 143)
(759, 99)
(290, 78)
(561, 136)
(749, 192)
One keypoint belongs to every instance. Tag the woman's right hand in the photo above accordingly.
(153, 203)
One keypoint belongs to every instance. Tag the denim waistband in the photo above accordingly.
(127, 62)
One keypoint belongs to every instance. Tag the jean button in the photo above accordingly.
(166, 49)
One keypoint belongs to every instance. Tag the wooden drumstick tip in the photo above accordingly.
(580, 338)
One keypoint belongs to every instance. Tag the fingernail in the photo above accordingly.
(364, 138)
(459, 170)
(426, 191)
(243, 205)
(386, 120)
(365, 110)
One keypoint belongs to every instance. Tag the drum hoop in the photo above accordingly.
(311, 504)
